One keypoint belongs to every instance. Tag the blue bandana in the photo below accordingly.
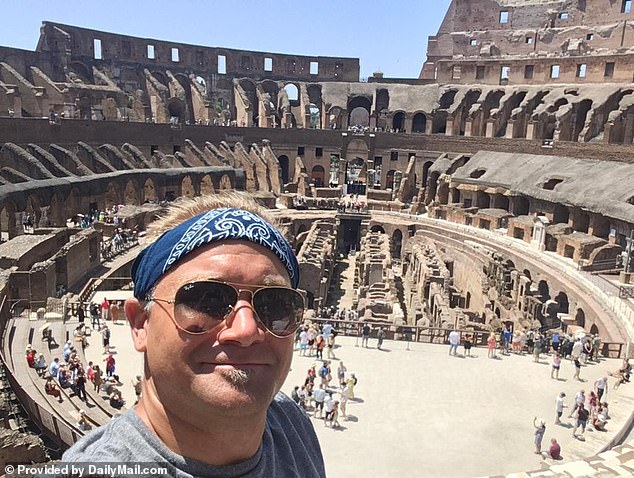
(210, 226)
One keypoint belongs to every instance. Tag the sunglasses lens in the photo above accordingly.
(200, 306)
(280, 309)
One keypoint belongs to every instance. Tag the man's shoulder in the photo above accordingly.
(111, 442)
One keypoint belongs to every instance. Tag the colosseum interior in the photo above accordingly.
(513, 145)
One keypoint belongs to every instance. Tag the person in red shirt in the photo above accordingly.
(555, 450)
(105, 309)
(30, 358)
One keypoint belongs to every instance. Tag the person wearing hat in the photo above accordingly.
(214, 313)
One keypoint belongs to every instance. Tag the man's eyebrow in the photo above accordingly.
(268, 280)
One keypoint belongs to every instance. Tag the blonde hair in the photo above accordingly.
(186, 208)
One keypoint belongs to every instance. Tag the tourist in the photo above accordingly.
(351, 383)
(582, 420)
(491, 344)
(341, 374)
(94, 316)
(454, 341)
(116, 400)
(599, 421)
(555, 449)
(556, 364)
(40, 365)
(82, 423)
(105, 338)
(114, 311)
(601, 387)
(467, 345)
(580, 399)
(217, 342)
(577, 369)
(537, 347)
(506, 338)
(345, 396)
(330, 345)
(30, 357)
(81, 313)
(540, 429)
(555, 341)
(53, 369)
(303, 341)
(97, 378)
(105, 309)
(380, 335)
(329, 405)
(560, 403)
(319, 396)
(596, 344)
(51, 388)
(365, 334)
(577, 347)
(320, 344)
(586, 352)
(80, 385)
(110, 365)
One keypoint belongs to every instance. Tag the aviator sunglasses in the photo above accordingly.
(202, 305)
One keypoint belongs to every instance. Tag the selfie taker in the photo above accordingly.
(214, 314)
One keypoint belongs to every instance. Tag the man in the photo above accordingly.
(454, 341)
(601, 386)
(560, 403)
(365, 334)
(217, 341)
(380, 336)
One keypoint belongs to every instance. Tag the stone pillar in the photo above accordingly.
(468, 125)
(429, 123)
(408, 123)
(490, 129)
(449, 126)
(510, 129)
(530, 130)
(628, 134)
(18, 230)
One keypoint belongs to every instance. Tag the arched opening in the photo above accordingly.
(467, 303)
(315, 116)
(439, 123)
(250, 91)
(561, 214)
(149, 191)
(562, 300)
(318, 176)
(398, 122)
(187, 187)
(527, 273)
(206, 186)
(359, 108)
(176, 109)
(509, 264)
(426, 166)
(582, 222)
(359, 116)
(377, 228)
(33, 209)
(57, 213)
(131, 193)
(580, 318)
(283, 160)
(520, 206)
(292, 92)
(7, 221)
(225, 183)
(397, 243)
(419, 123)
(594, 330)
(112, 197)
(389, 179)
(335, 116)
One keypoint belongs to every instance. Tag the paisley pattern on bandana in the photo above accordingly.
(210, 226)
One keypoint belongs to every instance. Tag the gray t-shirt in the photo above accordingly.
(289, 448)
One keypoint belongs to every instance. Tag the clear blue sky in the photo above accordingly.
(386, 35)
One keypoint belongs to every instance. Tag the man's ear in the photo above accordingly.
(138, 318)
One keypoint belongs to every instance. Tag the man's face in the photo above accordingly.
(236, 368)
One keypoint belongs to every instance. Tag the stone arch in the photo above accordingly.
(284, 162)
(7, 221)
(176, 108)
(225, 183)
(206, 186)
(439, 123)
(377, 228)
(359, 108)
(73, 203)
(149, 191)
(580, 317)
(292, 91)
(187, 187)
(527, 273)
(594, 329)
(318, 175)
(561, 214)
(398, 121)
(112, 197)
(397, 243)
(562, 300)
(33, 208)
(419, 123)
(521, 206)
(81, 70)
(335, 117)
(131, 193)
(426, 166)
(161, 78)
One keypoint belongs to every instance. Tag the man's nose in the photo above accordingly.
(242, 325)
